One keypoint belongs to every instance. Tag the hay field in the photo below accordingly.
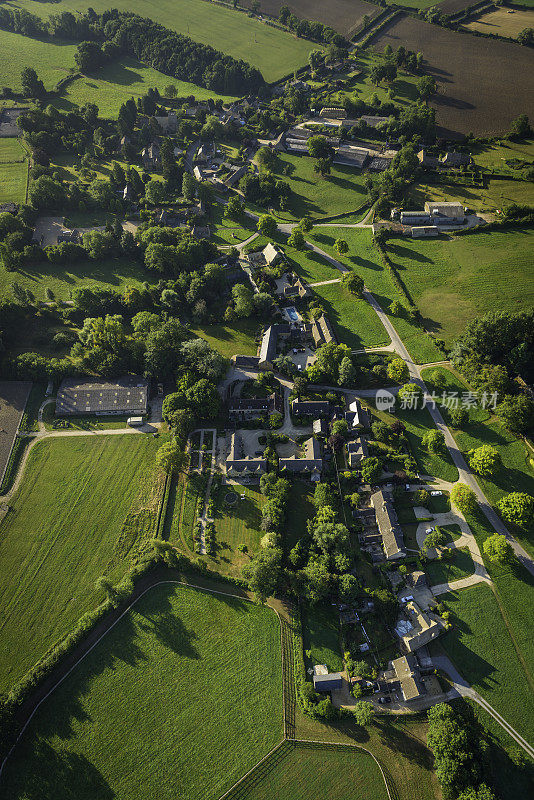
(502, 22)
(483, 84)
(274, 52)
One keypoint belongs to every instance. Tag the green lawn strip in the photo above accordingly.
(454, 279)
(237, 338)
(449, 569)
(274, 52)
(363, 259)
(84, 422)
(191, 509)
(236, 522)
(190, 685)
(11, 150)
(517, 471)
(52, 60)
(320, 629)
(481, 648)
(341, 192)
(299, 510)
(115, 83)
(29, 422)
(306, 770)
(116, 274)
(452, 532)
(60, 535)
(13, 180)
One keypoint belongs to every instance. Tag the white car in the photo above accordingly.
(430, 530)
(436, 494)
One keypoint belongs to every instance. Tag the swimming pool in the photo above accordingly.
(292, 314)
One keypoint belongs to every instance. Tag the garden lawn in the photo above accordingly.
(60, 535)
(342, 191)
(305, 772)
(63, 279)
(454, 279)
(481, 648)
(446, 570)
(299, 511)
(355, 322)
(235, 524)
(236, 338)
(180, 699)
(115, 83)
(11, 150)
(13, 180)
(320, 632)
(363, 259)
(274, 52)
(494, 154)
(51, 60)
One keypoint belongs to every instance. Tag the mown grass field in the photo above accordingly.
(481, 648)
(51, 60)
(13, 171)
(60, 535)
(341, 191)
(454, 279)
(355, 321)
(363, 259)
(115, 83)
(274, 52)
(63, 279)
(305, 772)
(230, 340)
(180, 699)
(501, 22)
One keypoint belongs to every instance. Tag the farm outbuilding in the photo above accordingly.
(127, 395)
(330, 682)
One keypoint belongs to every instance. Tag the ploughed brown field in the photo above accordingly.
(344, 16)
(483, 83)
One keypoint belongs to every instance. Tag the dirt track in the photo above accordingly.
(483, 83)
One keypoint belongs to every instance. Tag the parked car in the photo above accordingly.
(430, 530)
(436, 494)
(383, 700)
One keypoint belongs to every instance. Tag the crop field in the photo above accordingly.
(344, 16)
(453, 280)
(113, 273)
(13, 398)
(307, 769)
(274, 52)
(52, 60)
(502, 22)
(496, 196)
(342, 191)
(230, 340)
(178, 684)
(115, 83)
(482, 649)
(61, 534)
(465, 68)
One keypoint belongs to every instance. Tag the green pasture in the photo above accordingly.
(63, 279)
(274, 52)
(60, 535)
(363, 259)
(180, 699)
(51, 60)
(482, 649)
(454, 279)
(493, 155)
(498, 195)
(340, 192)
(236, 338)
(307, 769)
(355, 321)
(115, 83)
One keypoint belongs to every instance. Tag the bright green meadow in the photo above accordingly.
(52, 60)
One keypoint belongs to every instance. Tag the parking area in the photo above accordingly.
(303, 357)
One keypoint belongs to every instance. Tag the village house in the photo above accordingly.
(356, 450)
(151, 156)
(310, 465)
(405, 678)
(321, 331)
(238, 465)
(356, 417)
(254, 407)
(269, 256)
(127, 395)
(388, 525)
(424, 231)
(417, 628)
(311, 408)
(452, 213)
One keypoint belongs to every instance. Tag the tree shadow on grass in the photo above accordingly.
(56, 774)
(170, 631)
(413, 255)
(400, 741)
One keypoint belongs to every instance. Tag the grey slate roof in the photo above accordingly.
(126, 395)
(388, 525)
